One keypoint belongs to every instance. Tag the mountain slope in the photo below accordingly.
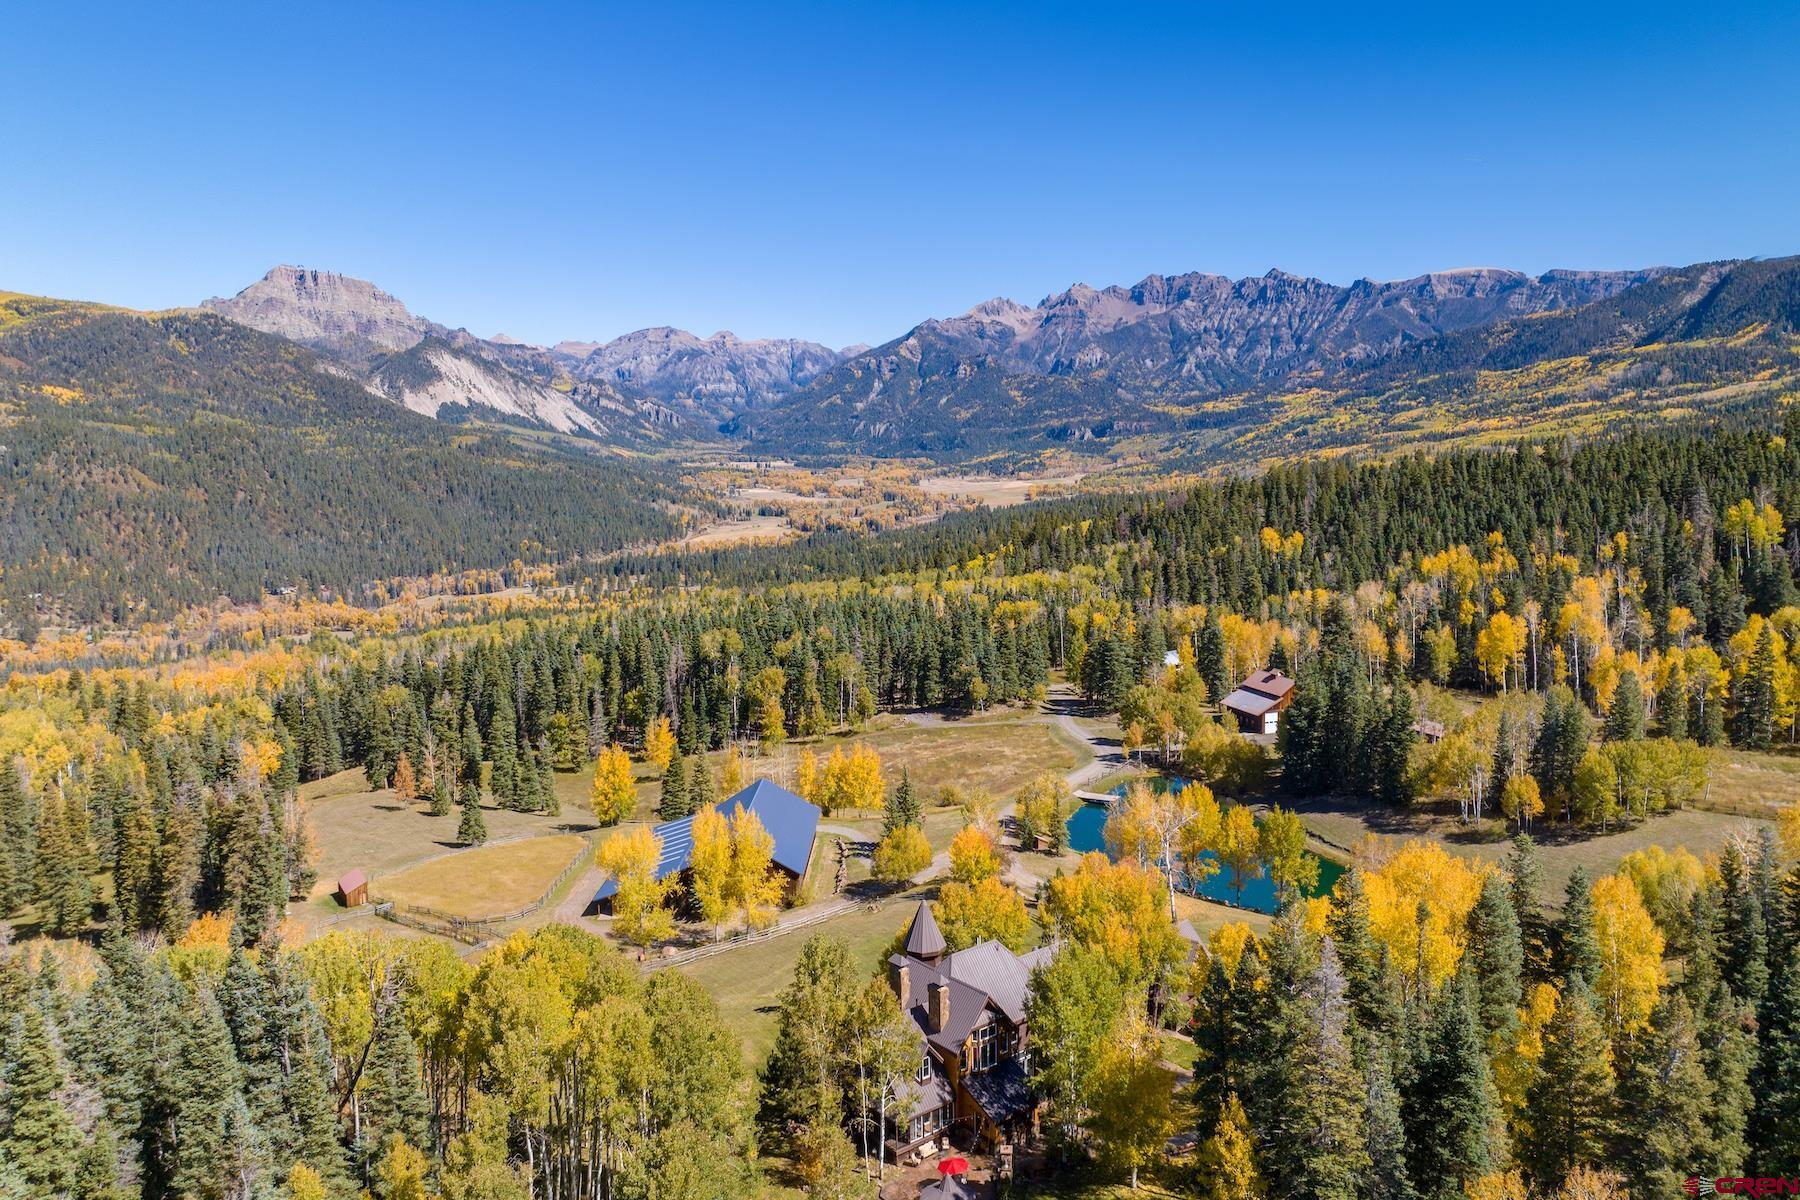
(153, 461)
(1201, 353)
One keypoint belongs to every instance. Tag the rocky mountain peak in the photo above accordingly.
(323, 307)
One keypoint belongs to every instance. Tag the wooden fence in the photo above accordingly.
(473, 931)
(737, 941)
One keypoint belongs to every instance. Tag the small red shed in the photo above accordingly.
(353, 889)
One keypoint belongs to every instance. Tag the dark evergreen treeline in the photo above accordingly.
(1202, 545)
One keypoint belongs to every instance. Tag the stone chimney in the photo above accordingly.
(900, 979)
(938, 1010)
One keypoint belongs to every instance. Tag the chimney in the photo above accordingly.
(938, 1010)
(900, 979)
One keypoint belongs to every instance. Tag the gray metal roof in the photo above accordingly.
(791, 821)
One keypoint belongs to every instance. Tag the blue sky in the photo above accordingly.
(839, 172)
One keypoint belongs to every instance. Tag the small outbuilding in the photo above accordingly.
(1257, 702)
(1429, 731)
(353, 889)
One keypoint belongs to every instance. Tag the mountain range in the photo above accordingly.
(312, 431)
(636, 387)
(1202, 364)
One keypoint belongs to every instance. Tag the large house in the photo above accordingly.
(968, 1010)
(1257, 702)
(791, 821)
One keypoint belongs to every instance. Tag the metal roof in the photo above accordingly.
(924, 940)
(791, 821)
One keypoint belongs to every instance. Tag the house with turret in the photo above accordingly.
(972, 1080)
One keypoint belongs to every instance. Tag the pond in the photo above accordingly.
(1087, 832)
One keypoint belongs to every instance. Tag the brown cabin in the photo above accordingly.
(353, 889)
(1257, 702)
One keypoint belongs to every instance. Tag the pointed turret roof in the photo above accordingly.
(923, 940)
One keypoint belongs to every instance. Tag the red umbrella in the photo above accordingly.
(954, 1166)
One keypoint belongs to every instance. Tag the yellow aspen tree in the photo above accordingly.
(754, 888)
(709, 866)
(806, 777)
(987, 911)
(731, 774)
(901, 854)
(659, 744)
(973, 856)
(639, 914)
(1631, 950)
(614, 795)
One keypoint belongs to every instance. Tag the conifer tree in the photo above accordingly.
(310, 1134)
(1753, 697)
(1672, 704)
(1497, 955)
(178, 866)
(134, 865)
(1385, 1131)
(65, 898)
(1577, 946)
(905, 808)
(1525, 882)
(1625, 719)
(1665, 1099)
(1745, 943)
(1319, 1142)
(391, 1100)
(701, 792)
(1774, 1131)
(1449, 1101)
(1568, 1119)
(16, 849)
(442, 794)
(97, 1167)
(1727, 1050)
(203, 1089)
(503, 752)
(472, 829)
(38, 1134)
(674, 802)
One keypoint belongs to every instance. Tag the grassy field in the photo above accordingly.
(354, 827)
(1754, 783)
(1347, 822)
(486, 881)
(747, 981)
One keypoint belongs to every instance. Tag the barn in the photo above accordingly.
(1257, 702)
(791, 821)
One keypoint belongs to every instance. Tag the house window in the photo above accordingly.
(924, 1071)
(989, 1045)
(928, 1123)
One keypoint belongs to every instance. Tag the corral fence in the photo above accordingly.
(749, 937)
(473, 931)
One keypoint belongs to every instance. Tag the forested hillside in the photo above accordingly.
(159, 461)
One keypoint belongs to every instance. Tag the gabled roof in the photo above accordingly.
(791, 821)
(986, 976)
(924, 940)
(352, 880)
(1262, 692)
